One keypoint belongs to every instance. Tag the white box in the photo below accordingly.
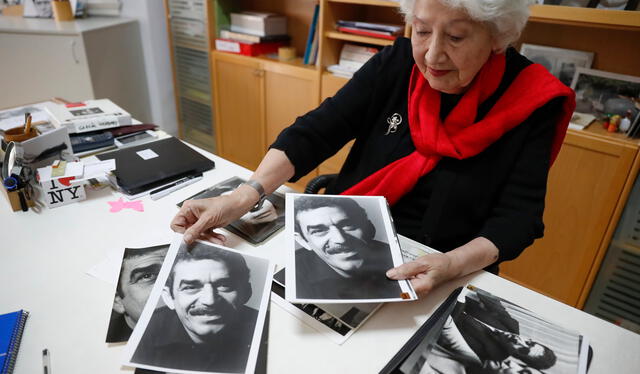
(259, 23)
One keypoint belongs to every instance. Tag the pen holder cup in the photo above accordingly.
(17, 134)
(14, 199)
(62, 10)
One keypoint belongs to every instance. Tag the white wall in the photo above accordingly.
(155, 45)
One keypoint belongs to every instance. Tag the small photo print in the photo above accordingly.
(601, 93)
(138, 274)
(255, 226)
(205, 314)
(562, 63)
(340, 248)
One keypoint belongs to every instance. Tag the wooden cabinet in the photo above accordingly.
(238, 94)
(587, 188)
(255, 99)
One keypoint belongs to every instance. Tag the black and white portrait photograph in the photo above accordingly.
(256, 225)
(336, 321)
(487, 334)
(138, 274)
(602, 93)
(340, 248)
(560, 62)
(206, 312)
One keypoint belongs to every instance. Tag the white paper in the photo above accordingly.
(96, 170)
(108, 269)
(147, 154)
(73, 169)
(14, 117)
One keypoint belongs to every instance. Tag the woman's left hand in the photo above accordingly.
(426, 272)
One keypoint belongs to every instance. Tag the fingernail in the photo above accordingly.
(188, 238)
(391, 274)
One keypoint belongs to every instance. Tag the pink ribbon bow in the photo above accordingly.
(119, 204)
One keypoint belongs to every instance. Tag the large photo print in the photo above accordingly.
(487, 334)
(138, 274)
(340, 248)
(205, 313)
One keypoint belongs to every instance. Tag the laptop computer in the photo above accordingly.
(146, 166)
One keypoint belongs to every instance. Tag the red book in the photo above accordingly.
(248, 49)
(373, 33)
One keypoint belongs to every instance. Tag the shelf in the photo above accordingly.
(589, 17)
(392, 4)
(357, 38)
(597, 130)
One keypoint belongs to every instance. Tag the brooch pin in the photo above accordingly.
(393, 122)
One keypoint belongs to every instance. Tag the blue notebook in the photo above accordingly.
(11, 327)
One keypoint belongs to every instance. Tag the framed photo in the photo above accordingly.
(560, 62)
(600, 93)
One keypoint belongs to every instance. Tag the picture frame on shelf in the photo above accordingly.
(603, 93)
(560, 62)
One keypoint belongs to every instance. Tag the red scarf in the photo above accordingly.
(458, 137)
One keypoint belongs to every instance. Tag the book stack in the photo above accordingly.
(375, 30)
(352, 57)
(89, 115)
(253, 34)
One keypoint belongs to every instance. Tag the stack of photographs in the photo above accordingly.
(205, 313)
(256, 226)
(474, 331)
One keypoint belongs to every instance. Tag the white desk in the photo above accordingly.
(44, 258)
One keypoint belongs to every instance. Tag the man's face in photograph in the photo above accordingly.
(204, 296)
(336, 238)
(137, 276)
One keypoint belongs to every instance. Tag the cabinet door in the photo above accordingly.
(238, 85)
(290, 92)
(585, 185)
(37, 67)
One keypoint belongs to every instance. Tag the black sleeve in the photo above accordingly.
(516, 219)
(322, 132)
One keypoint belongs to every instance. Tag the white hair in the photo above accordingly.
(506, 18)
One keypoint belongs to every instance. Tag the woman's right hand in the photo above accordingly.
(198, 218)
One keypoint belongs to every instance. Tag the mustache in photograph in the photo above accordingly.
(340, 249)
(206, 311)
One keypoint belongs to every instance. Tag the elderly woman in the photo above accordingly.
(453, 127)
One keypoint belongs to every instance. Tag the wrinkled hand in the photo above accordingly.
(426, 272)
(197, 218)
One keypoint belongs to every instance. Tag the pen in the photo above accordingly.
(46, 361)
(180, 183)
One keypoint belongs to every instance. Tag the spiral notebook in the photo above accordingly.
(11, 327)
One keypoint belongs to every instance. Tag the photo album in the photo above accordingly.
(339, 250)
(205, 314)
(255, 227)
(474, 331)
